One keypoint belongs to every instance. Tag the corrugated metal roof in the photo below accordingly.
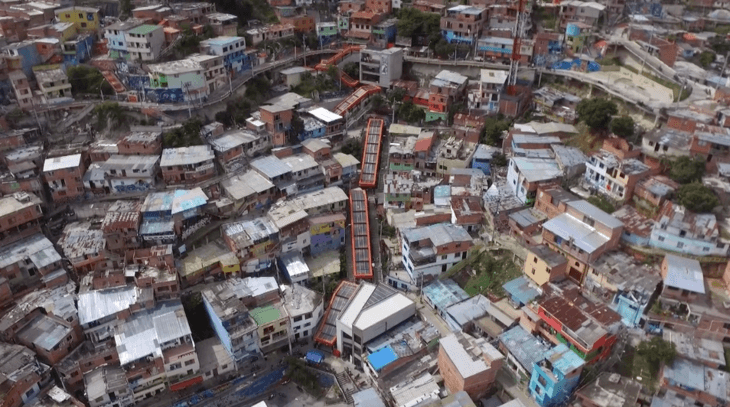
(186, 155)
(97, 304)
(145, 332)
(59, 163)
(569, 228)
(685, 274)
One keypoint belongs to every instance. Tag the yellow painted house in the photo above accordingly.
(86, 19)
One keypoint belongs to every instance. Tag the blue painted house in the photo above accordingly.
(233, 50)
(23, 55)
(78, 50)
(521, 291)
(627, 285)
(463, 24)
(555, 377)
(483, 158)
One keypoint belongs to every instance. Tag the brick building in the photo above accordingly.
(64, 177)
(468, 364)
(187, 165)
(20, 215)
(141, 141)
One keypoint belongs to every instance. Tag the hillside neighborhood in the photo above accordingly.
(403, 203)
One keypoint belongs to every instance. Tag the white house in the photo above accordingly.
(145, 42)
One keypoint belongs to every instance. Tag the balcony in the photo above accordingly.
(421, 257)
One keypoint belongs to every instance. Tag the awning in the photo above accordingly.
(315, 357)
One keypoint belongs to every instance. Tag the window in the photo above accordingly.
(533, 272)
(680, 245)
(189, 362)
(661, 238)
(444, 257)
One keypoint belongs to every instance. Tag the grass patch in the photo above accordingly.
(671, 85)
(602, 203)
(584, 140)
(310, 83)
(636, 367)
(487, 274)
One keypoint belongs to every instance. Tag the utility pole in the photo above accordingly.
(230, 83)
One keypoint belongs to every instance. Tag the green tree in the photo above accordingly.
(596, 113)
(657, 351)
(623, 126)
(334, 73)
(414, 23)
(706, 58)
(697, 197)
(492, 131)
(499, 160)
(125, 7)
(686, 169)
(396, 95)
(443, 49)
(410, 113)
(110, 114)
(352, 70)
(88, 80)
(184, 136)
(297, 129)
(378, 101)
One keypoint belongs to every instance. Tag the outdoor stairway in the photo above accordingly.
(347, 385)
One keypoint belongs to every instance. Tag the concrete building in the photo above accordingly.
(523, 351)
(491, 85)
(681, 231)
(381, 67)
(463, 24)
(555, 377)
(255, 243)
(372, 311)
(566, 316)
(583, 233)
(304, 308)
(432, 250)
(444, 90)
(176, 81)
(63, 175)
(20, 215)
(53, 85)
(683, 279)
(145, 42)
(157, 355)
(270, 32)
(122, 174)
(83, 244)
(215, 361)
(107, 385)
(705, 351)
(468, 364)
(223, 24)
(187, 165)
(249, 191)
(525, 175)
(231, 320)
(624, 285)
(543, 265)
(116, 36)
(272, 321)
(233, 50)
(615, 177)
(24, 375)
(305, 173)
(212, 260)
(694, 380)
(610, 389)
(276, 172)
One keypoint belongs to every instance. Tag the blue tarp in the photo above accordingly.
(314, 357)
(520, 290)
(382, 357)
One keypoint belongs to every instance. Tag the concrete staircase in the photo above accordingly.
(347, 385)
